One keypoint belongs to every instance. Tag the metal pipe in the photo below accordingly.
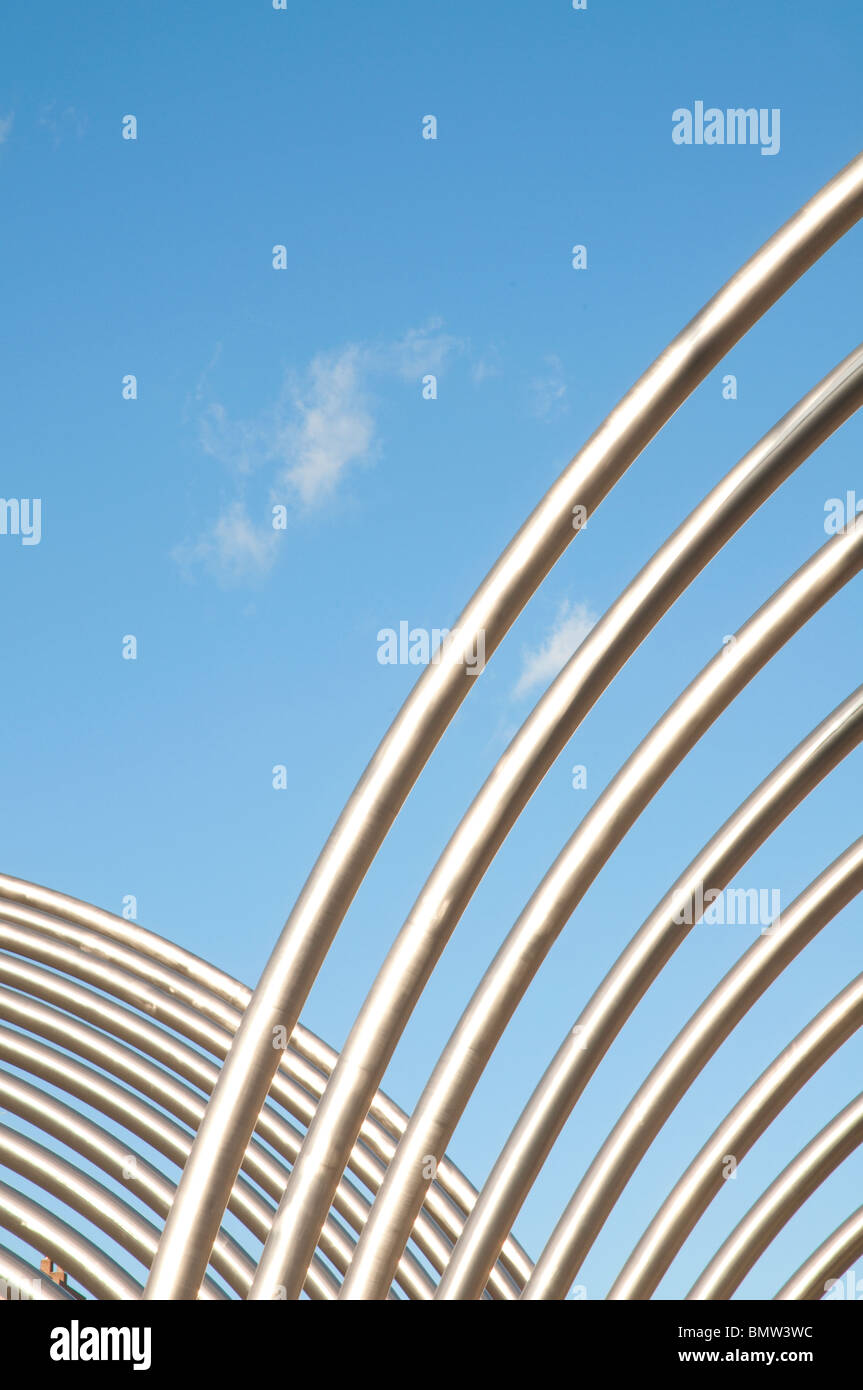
(628, 980)
(386, 1120)
(89, 1198)
(54, 1117)
(174, 1097)
(451, 1195)
(691, 1196)
(81, 951)
(18, 1274)
(775, 1207)
(828, 1262)
(518, 959)
(434, 916)
(146, 1037)
(37, 1227)
(244, 1081)
(679, 1065)
(143, 1119)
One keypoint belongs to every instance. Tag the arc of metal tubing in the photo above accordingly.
(220, 1142)
(518, 959)
(144, 1120)
(88, 962)
(307, 1059)
(748, 1120)
(18, 1274)
(628, 980)
(434, 916)
(829, 1261)
(20, 1097)
(679, 1065)
(145, 1036)
(131, 1067)
(775, 1207)
(151, 1041)
(91, 1199)
(36, 1226)
(178, 1100)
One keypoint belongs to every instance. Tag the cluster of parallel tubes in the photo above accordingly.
(291, 1141)
(136, 1017)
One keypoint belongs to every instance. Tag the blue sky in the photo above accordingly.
(302, 387)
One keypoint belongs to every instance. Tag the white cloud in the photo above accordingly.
(6, 126)
(420, 351)
(321, 426)
(548, 390)
(483, 369)
(541, 665)
(332, 427)
(234, 548)
(240, 445)
(323, 420)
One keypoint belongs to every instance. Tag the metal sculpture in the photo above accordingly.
(291, 1140)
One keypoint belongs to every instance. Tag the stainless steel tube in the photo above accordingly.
(749, 1118)
(149, 985)
(632, 974)
(147, 1038)
(434, 916)
(143, 1119)
(504, 983)
(307, 1059)
(17, 1274)
(682, 1061)
(36, 1226)
(220, 1143)
(829, 1261)
(91, 1199)
(118, 1161)
(174, 1097)
(785, 1195)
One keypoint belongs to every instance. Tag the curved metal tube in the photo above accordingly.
(177, 1099)
(90, 1199)
(102, 1149)
(829, 1261)
(242, 1087)
(785, 1195)
(29, 1281)
(146, 1037)
(540, 923)
(750, 1117)
(678, 1067)
(421, 941)
(150, 1124)
(36, 1226)
(152, 987)
(628, 980)
(307, 1059)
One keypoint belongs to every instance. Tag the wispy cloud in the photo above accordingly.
(548, 390)
(321, 426)
(241, 445)
(6, 127)
(233, 549)
(331, 427)
(421, 350)
(542, 664)
(484, 368)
